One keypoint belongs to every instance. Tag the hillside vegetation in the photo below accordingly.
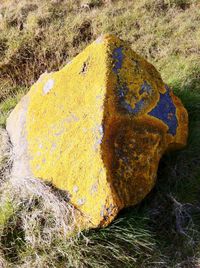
(36, 219)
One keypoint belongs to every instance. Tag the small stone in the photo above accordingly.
(103, 130)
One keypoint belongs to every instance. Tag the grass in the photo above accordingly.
(35, 220)
(36, 224)
(8, 104)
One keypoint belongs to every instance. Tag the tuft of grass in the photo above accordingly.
(6, 211)
(38, 223)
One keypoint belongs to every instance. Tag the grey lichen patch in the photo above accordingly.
(98, 132)
(102, 213)
(18, 137)
(53, 146)
(99, 97)
(101, 130)
(100, 39)
(38, 167)
(81, 201)
(75, 189)
(71, 118)
(94, 188)
(48, 86)
(40, 145)
(59, 133)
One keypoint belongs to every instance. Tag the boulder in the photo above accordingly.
(97, 129)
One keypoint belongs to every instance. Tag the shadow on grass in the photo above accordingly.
(174, 205)
(170, 215)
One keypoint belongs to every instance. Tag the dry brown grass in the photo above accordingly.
(43, 35)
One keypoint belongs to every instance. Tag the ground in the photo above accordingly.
(163, 231)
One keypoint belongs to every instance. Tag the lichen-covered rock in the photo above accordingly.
(98, 128)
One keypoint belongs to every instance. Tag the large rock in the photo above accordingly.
(98, 128)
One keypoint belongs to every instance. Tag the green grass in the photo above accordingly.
(7, 105)
(162, 231)
(5, 212)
